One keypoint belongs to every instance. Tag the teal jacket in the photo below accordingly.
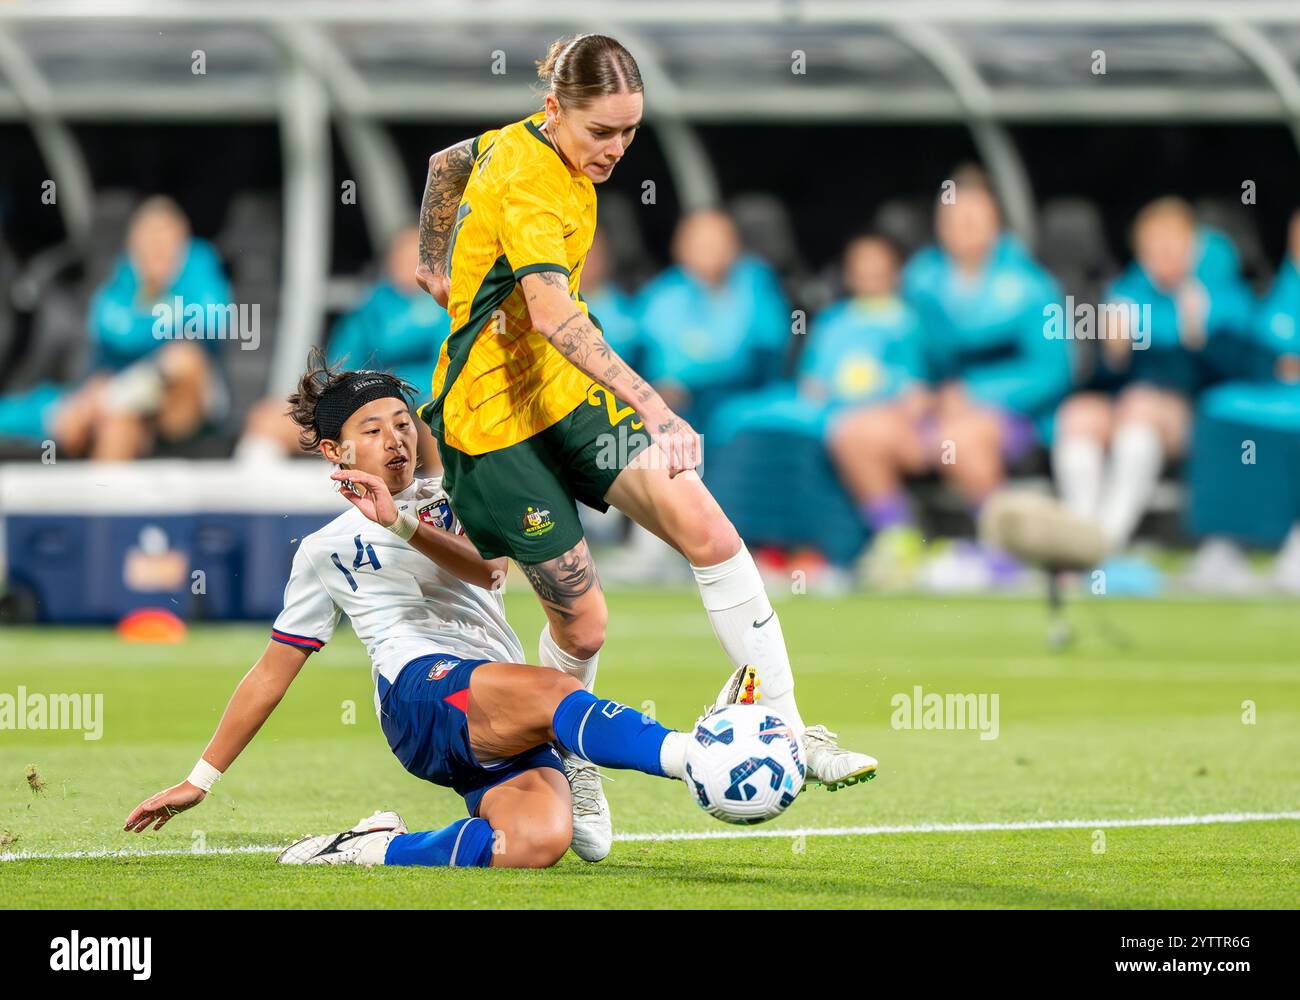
(989, 331)
(859, 352)
(865, 350)
(1166, 362)
(706, 338)
(123, 329)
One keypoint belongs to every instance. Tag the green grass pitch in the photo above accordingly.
(1155, 729)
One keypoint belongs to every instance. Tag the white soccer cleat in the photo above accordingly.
(826, 762)
(365, 844)
(593, 833)
(830, 765)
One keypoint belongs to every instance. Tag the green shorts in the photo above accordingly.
(520, 501)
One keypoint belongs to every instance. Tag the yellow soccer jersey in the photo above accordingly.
(498, 381)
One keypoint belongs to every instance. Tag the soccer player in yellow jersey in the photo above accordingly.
(534, 411)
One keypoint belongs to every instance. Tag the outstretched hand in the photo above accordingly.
(377, 505)
(158, 809)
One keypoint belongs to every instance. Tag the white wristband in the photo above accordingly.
(405, 526)
(204, 775)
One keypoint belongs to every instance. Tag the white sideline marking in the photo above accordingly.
(742, 833)
(1046, 824)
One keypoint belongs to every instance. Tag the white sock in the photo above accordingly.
(551, 655)
(749, 630)
(1136, 458)
(672, 755)
(1078, 463)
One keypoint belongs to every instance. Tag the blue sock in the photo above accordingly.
(467, 843)
(609, 734)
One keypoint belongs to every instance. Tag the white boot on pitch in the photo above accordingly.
(365, 844)
(593, 833)
(828, 764)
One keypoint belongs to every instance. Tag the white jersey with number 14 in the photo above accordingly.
(402, 604)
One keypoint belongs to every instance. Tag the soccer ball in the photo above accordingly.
(744, 764)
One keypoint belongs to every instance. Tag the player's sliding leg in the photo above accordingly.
(683, 513)
(522, 823)
(513, 708)
(570, 642)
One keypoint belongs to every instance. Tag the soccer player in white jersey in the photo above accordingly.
(455, 701)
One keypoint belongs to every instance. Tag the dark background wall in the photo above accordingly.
(831, 177)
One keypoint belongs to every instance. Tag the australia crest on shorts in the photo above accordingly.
(537, 521)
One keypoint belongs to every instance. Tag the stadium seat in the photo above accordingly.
(1072, 245)
(249, 242)
(57, 350)
(8, 325)
(1238, 223)
(905, 221)
(632, 264)
(59, 282)
(766, 230)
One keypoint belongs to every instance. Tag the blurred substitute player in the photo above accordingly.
(455, 702)
(533, 410)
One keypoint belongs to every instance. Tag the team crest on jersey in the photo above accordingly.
(437, 513)
(537, 521)
(441, 669)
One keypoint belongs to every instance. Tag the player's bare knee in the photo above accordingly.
(553, 686)
(709, 540)
(582, 637)
(723, 543)
(538, 844)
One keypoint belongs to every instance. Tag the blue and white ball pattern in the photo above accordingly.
(744, 764)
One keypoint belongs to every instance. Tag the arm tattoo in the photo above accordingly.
(641, 389)
(577, 338)
(560, 328)
(448, 172)
(559, 582)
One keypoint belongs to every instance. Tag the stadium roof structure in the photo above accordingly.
(304, 63)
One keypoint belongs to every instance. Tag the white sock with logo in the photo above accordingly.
(551, 655)
(745, 624)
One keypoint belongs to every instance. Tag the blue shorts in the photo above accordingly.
(423, 717)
